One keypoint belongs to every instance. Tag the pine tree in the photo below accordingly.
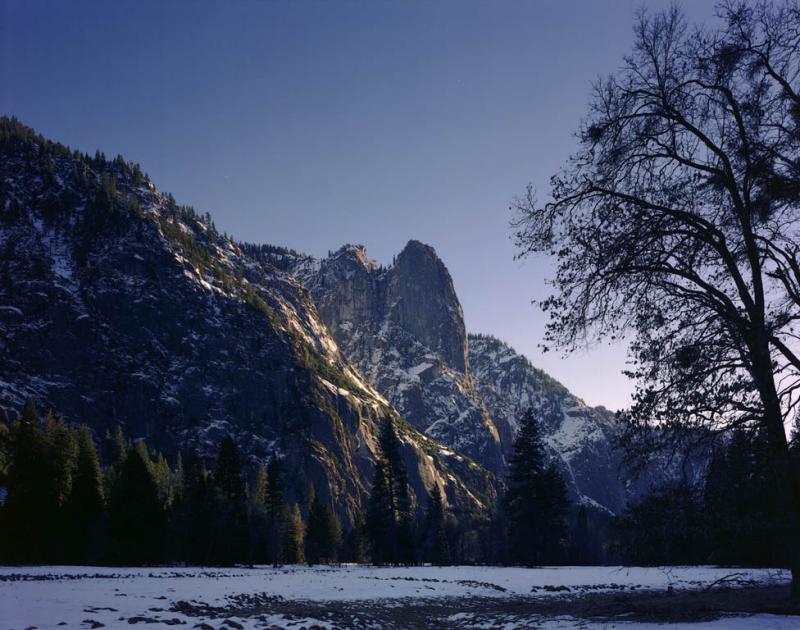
(260, 485)
(28, 512)
(355, 544)
(323, 535)
(136, 519)
(61, 454)
(553, 508)
(389, 518)
(535, 502)
(115, 452)
(581, 552)
(525, 466)
(333, 535)
(194, 514)
(228, 470)
(231, 539)
(276, 510)
(435, 546)
(380, 524)
(84, 508)
(294, 538)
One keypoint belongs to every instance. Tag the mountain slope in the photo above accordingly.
(117, 306)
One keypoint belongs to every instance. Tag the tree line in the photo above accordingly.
(735, 514)
(76, 500)
(62, 506)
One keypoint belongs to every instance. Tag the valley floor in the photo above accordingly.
(701, 598)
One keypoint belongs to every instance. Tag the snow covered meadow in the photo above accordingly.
(356, 596)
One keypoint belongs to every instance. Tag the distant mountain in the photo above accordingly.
(119, 307)
(403, 328)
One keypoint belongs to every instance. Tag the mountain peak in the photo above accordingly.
(417, 248)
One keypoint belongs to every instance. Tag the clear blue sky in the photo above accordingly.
(313, 124)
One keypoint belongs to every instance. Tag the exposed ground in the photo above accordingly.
(420, 597)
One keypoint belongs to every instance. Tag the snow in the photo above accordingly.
(46, 596)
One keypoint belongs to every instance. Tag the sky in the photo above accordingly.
(315, 124)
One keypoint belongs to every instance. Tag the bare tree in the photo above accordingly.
(677, 222)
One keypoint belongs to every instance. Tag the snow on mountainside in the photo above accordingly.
(403, 327)
(118, 307)
(580, 437)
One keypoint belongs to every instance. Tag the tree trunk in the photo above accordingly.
(781, 460)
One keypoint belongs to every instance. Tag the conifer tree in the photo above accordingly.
(62, 453)
(60, 460)
(228, 470)
(231, 531)
(28, 511)
(581, 546)
(84, 508)
(389, 518)
(276, 510)
(355, 545)
(136, 519)
(535, 502)
(195, 517)
(380, 524)
(294, 537)
(323, 535)
(260, 485)
(435, 546)
(115, 452)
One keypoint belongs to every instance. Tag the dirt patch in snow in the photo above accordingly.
(518, 611)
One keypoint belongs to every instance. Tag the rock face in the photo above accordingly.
(403, 329)
(118, 307)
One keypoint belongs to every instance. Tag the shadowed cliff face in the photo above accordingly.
(117, 307)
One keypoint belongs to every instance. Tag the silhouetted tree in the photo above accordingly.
(194, 514)
(136, 521)
(535, 502)
(435, 546)
(294, 537)
(389, 523)
(323, 535)
(276, 511)
(231, 531)
(29, 510)
(84, 510)
(677, 222)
